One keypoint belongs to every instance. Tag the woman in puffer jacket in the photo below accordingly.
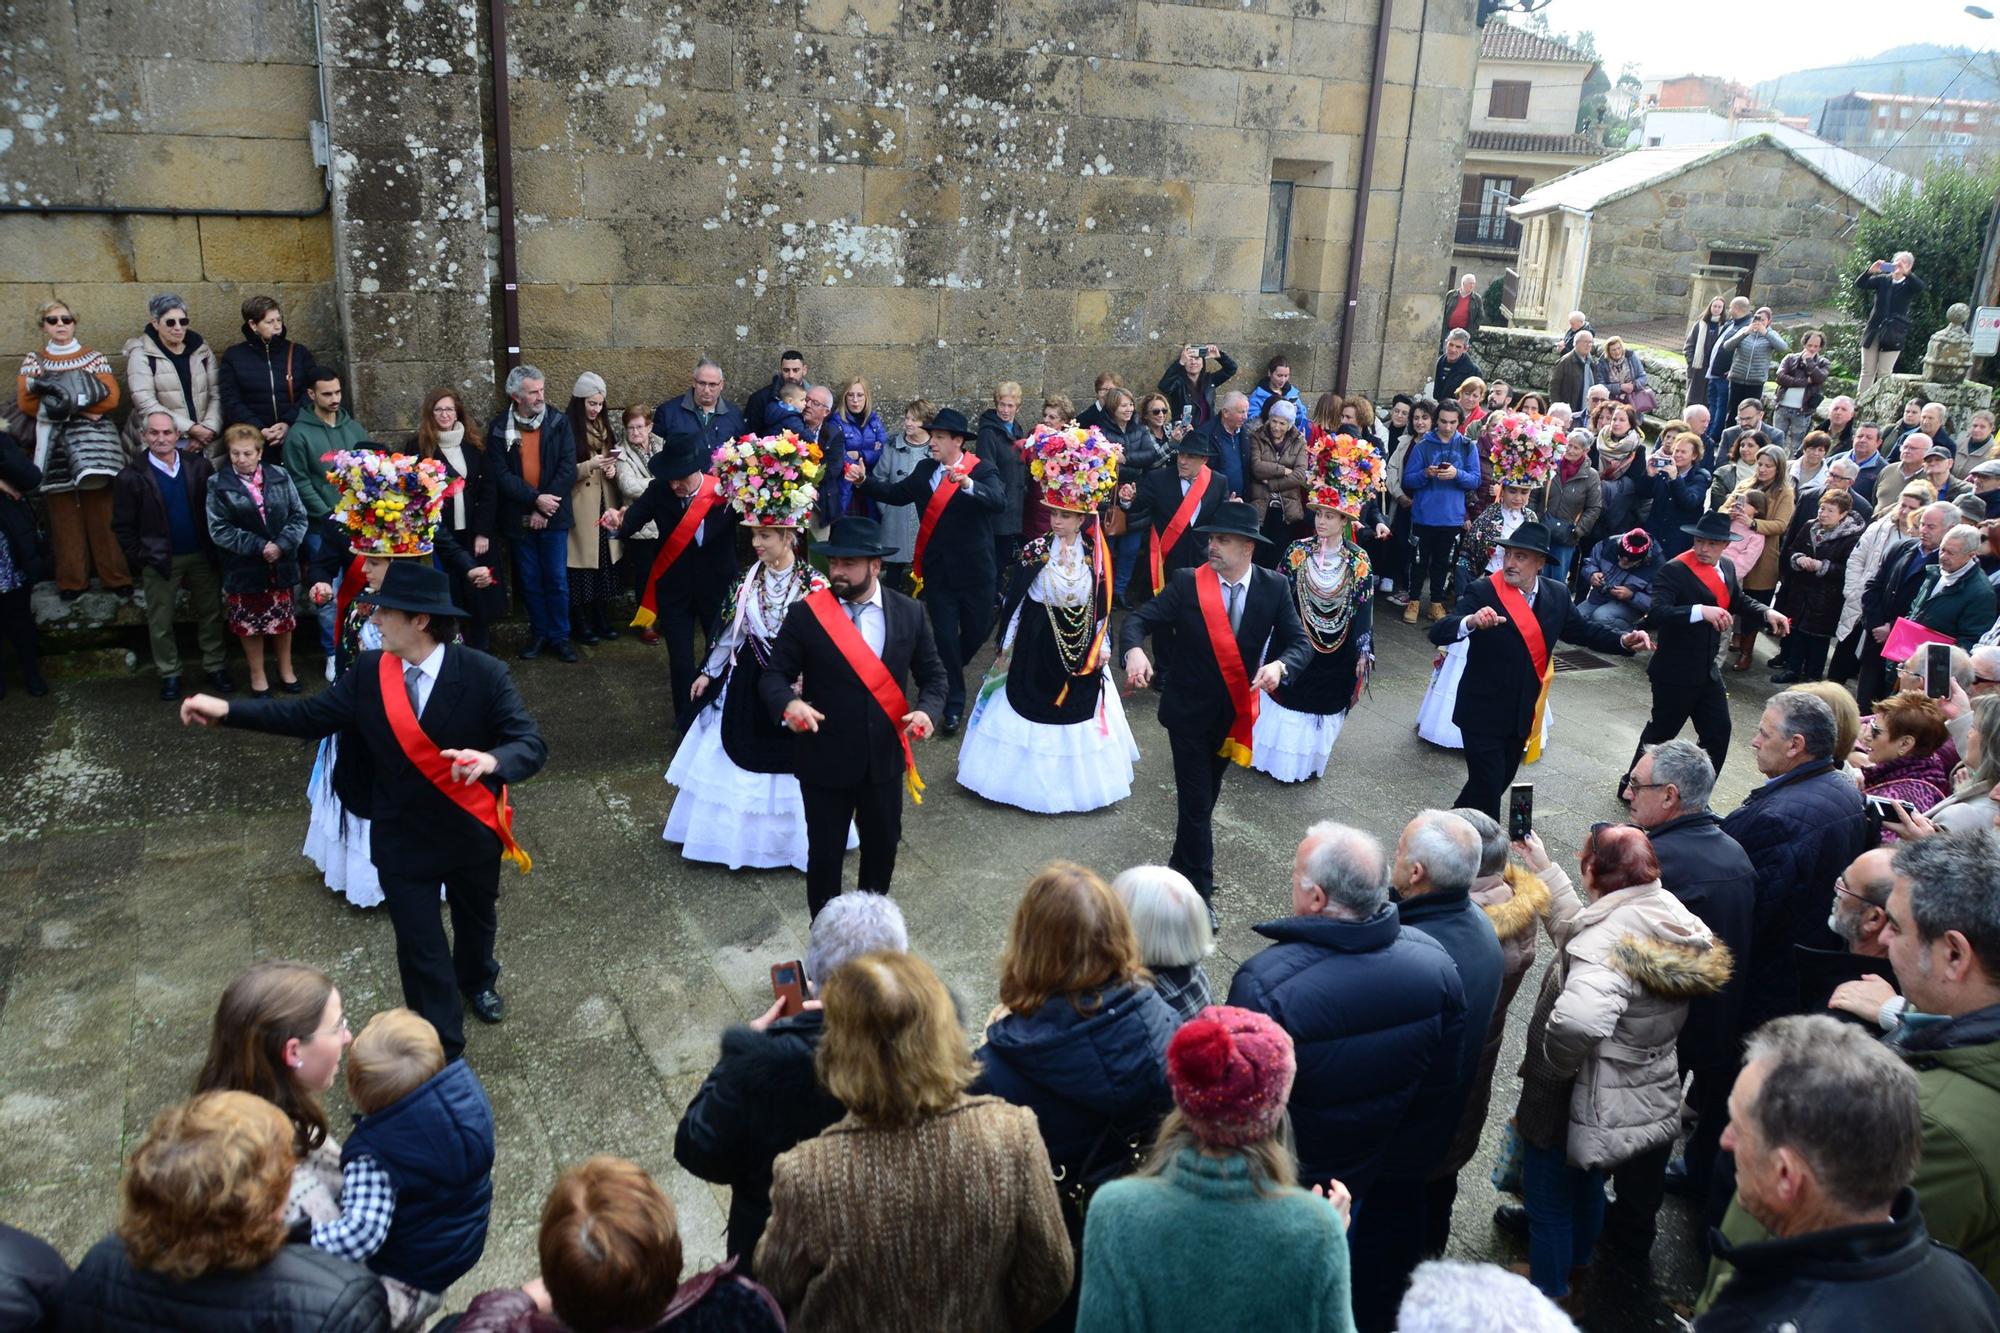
(1600, 1080)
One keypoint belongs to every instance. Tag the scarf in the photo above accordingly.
(1567, 469)
(451, 443)
(70, 348)
(514, 423)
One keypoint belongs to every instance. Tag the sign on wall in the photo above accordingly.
(1986, 331)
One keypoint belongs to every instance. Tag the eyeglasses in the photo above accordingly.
(173, 323)
(339, 1029)
(1158, 412)
(1840, 886)
(58, 319)
(1646, 786)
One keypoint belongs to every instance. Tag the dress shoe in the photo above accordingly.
(487, 1005)
(1511, 1218)
(564, 651)
(256, 693)
(609, 632)
(170, 688)
(649, 636)
(533, 650)
(1436, 611)
(291, 686)
(221, 683)
(1410, 613)
(37, 687)
(582, 634)
(952, 717)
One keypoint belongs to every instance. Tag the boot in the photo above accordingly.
(600, 620)
(1410, 612)
(1745, 646)
(1436, 611)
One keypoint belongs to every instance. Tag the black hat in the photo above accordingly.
(1234, 518)
(416, 589)
(1531, 536)
(1712, 527)
(681, 456)
(856, 538)
(951, 421)
(1195, 445)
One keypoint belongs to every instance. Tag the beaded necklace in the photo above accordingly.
(1325, 596)
(1068, 597)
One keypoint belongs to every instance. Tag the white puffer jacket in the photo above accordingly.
(153, 385)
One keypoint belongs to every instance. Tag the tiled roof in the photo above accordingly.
(1510, 141)
(1499, 40)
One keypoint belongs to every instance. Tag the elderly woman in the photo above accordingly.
(1895, 518)
(1600, 1083)
(1772, 477)
(1572, 503)
(923, 1207)
(1218, 1199)
(68, 391)
(200, 1243)
(1623, 374)
(1814, 561)
(168, 368)
(1972, 804)
(1171, 925)
(1276, 482)
(1901, 744)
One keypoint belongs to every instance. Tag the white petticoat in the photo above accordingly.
(336, 838)
(729, 815)
(1049, 768)
(1434, 722)
(1292, 746)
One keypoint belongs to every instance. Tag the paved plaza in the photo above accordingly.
(142, 865)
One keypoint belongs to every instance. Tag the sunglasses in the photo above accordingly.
(58, 319)
(173, 323)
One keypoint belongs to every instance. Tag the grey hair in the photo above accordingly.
(1686, 765)
(520, 375)
(1828, 1086)
(1844, 465)
(1808, 717)
(161, 412)
(1581, 334)
(825, 395)
(1902, 254)
(1459, 336)
(853, 924)
(707, 363)
(1839, 399)
(1448, 847)
(1963, 536)
(1981, 778)
(1464, 278)
(1348, 867)
(1987, 655)
(1450, 1296)
(1955, 885)
(157, 308)
(1231, 399)
(1492, 839)
(1167, 915)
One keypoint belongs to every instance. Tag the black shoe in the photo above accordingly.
(1214, 921)
(952, 717)
(123, 594)
(260, 694)
(607, 632)
(533, 650)
(1511, 1218)
(487, 1005)
(1625, 790)
(291, 686)
(564, 651)
(221, 683)
(170, 688)
(583, 635)
(70, 596)
(37, 687)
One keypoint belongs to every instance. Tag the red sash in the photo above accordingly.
(1711, 577)
(350, 583)
(1162, 543)
(1522, 617)
(949, 478)
(706, 496)
(866, 663)
(475, 798)
(1094, 659)
(1235, 679)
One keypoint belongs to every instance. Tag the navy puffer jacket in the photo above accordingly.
(437, 1146)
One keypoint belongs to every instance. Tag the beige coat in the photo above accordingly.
(635, 473)
(588, 499)
(953, 1224)
(152, 385)
(1763, 576)
(1277, 468)
(1629, 964)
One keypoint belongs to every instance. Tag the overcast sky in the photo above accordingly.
(1760, 40)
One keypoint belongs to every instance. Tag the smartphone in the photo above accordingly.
(1187, 416)
(1937, 670)
(788, 983)
(1885, 810)
(1520, 810)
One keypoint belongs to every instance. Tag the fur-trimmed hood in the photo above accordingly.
(1672, 970)
(1516, 904)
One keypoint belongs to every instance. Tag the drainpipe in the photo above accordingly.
(1354, 246)
(503, 166)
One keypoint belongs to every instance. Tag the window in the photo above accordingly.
(1509, 100)
(1277, 237)
(1743, 261)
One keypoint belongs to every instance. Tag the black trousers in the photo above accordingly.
(1434, 546)
(1710, 1099)
(1490, 765)
(1641, 1186)
(17, 628)
(1198, 770)
(1846, 656)
(876, 810)
(1674, 704)
(1808, 653)
(436, 972)
(679, 619)
(1440, 1198)
(960, 619)
(1738, 395)
(1384, 1247)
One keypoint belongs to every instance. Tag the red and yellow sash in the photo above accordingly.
(351, 580)
(1522, 617)
(948, 480)
(1094, 659)
(1161, 543)
(475, 798)
(706, 496)
(867, 664)
(1236, 745)
(1711, 577)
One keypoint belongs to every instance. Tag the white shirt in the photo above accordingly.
(1242, 587)
(964, 482)
(427, 674)
(165, 471)
(870, 618)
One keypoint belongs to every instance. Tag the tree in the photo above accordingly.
(1944, 228)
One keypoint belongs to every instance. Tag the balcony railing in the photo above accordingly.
(1498, 232)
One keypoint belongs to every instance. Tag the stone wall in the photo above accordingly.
(1525, 359)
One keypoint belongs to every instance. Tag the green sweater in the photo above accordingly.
(1198, 1247)
(308, 442)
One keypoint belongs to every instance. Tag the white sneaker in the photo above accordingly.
(329, 670)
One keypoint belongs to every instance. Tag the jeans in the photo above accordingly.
(1559, 558)
(1620, 616)
(311, 551)
(1793, 423)
(543, 561)
(1127, 549)
(1565, 1215)
(1718, 398)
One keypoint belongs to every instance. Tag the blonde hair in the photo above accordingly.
(1071, 936)
(42, 313)
(867, 396)
(1471, 384)
(397, 1053)
(1846, 715)
(1007, 389)
(206, 1190)
(893, 1053)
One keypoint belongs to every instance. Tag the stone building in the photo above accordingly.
(1622, 240)
(934, 193)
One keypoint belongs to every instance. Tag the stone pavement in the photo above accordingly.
(142, 865)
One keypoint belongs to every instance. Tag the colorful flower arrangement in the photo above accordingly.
(1076, 466)
(772, 480)
(1342, 471)
(389, 503)
(1520, 449)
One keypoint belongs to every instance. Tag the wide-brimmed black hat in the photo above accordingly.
(416, 589)
(1712, 527)
(1530, 536)
(1194, 444)
(856, 538)
(1234, 518)
(951, 421)
(680, 456)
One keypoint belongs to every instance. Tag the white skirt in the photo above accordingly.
(729, 815)
(1292, 746)
(1434, 722)
(337, 839)
(1049, 768)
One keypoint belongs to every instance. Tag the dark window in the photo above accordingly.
(1743, 260)
(1277, 237)
(1509, 100)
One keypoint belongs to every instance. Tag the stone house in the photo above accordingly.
(1623, 239)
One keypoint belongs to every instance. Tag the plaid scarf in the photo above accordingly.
(510, 433)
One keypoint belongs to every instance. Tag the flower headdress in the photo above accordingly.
(389, 503)
(1520, 449)
(1076, 466)
(1342, 471)
(771, 480)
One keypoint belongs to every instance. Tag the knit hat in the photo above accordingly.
(588, 383)
(1231, 1071)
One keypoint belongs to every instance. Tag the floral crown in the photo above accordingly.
(1076, 466)
(1520, 448)
(1342, 471)
(771, 480)
(389, 503)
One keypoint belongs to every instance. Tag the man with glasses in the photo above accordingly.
(1860, 911)
(702, 411)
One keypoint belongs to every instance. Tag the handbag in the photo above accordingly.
(1506, 1173)
(1644, 400)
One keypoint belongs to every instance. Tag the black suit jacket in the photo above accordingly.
(1197, 703)
(960, 552)
(704, 572)
(1686, 652)
(1159, 495)
(417, 829)
(1890, 592)
(856, 743)
(1496, 695)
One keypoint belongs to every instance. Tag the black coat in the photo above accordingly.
(1201, 393)
(300, 1291)
(1446, 376)
(1812, 598)
(1496, 695)
(857, 743)
(1158, 496)
(1881, 1275)
(703, 573)
(263, 383)
(1823, 971)
(1713, 878)
(1889, 321)
(558, 472)
(996, 444)
(1895, 585)
(240, 532)
(417, 830)
(17, 518)
(139, 515)
(1197, 703)
(32, 1276)
(960, 552)
(761, 1099)
(482, 494)
(1685, 650)
(1466, 933)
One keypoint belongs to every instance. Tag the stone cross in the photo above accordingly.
(1948, 357)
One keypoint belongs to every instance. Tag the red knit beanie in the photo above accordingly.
(1231, 1073)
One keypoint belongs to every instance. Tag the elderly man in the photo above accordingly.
(537, 472)
(1719, 359)
(1228, 439)
(1937, 470)
(701, 411)
(1696, 416)
(1574, 374)
(1463, 312)
(1893, 592)
(1454, 366)
(1578, 323)
(1933, 421)
(763, 1097)
(159, 514)
(1860, 912)
(1799, 829)
(1956, 598)
(1985, 658)
(1849, 1247)
(1841, 474)
(1984, 479)
(1840, 423)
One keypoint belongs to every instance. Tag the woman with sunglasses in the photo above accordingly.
(168, 368)
(68, 390)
